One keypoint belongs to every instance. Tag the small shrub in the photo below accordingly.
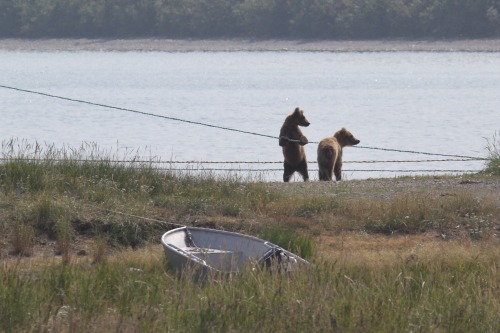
(45, 213)
(64, 233)
(100, 250)
(22, 239)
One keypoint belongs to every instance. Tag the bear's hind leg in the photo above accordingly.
(287, 174)
(325, 171)
(329, 173)
(337, 170)
(302, 168)
(321, 174)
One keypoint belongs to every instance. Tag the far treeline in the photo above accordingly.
(319, 19)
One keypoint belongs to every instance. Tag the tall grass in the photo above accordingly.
(84, 185)
(139, 293)
(60, 194)
(493, 148)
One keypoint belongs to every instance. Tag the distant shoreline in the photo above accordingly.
(247, 45)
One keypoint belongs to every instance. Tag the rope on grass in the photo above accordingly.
(141, 217)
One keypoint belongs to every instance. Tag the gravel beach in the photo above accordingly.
(249, 45)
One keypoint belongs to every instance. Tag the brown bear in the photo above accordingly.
(330, 154)
(292, 141)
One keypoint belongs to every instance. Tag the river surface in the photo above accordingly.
(434, 102)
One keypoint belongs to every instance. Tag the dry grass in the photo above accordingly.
(380, 250)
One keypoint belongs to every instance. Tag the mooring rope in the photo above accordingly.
(314, 170)
(216, 126)
(137, 112)
(312, 162)
(422, 153)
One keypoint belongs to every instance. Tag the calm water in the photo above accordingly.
(434, 102)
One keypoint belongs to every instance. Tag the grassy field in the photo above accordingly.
(79, 249)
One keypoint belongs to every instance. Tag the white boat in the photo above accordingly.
(215, 251)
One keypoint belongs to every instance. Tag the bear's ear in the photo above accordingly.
(340, 133)
(297, 111)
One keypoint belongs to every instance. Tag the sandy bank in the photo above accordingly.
(234, 45)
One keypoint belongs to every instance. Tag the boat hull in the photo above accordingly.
(213, 251)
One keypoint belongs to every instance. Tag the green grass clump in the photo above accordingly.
(298, 243)
(493, 164)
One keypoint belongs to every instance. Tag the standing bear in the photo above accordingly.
(292, 141)
(330, 154)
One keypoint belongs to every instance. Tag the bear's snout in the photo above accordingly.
(356, 142)
(305, 123)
